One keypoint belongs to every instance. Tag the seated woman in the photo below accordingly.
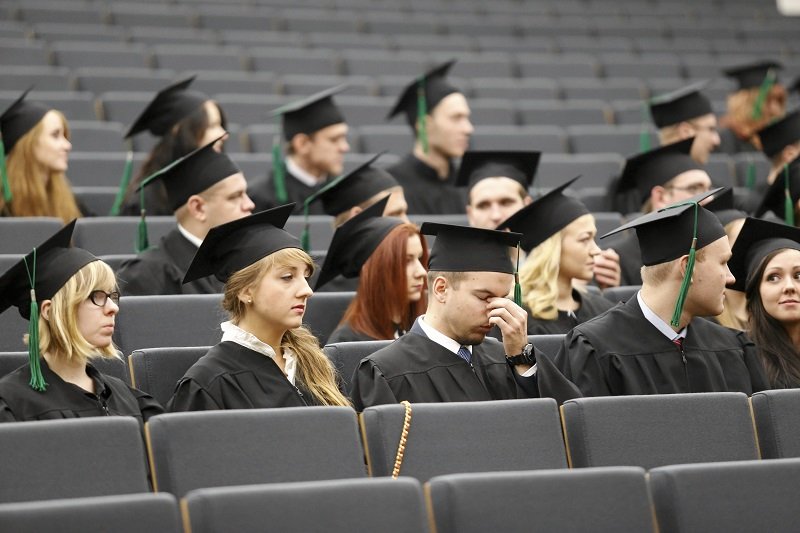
(71, 323)
(266, 357)
(183, 121)
(389, 257)
(558, 238)
(35, 138)
(735, 313)
(766, 265)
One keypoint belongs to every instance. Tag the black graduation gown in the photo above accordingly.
(231, 376)
(112, 397)
(621, 352)
(344, 333)
(155, 201)
(591, 305)
(262, 192)
(160, 270)
(425, 192)
(416, 369)
(630, 257)
(340, 284)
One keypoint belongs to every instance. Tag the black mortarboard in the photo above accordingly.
(230, 247)
(751, 75)
(519, 165)
(169, 106)
(681, 105)
(758, 239)
(783, 194)
(780, 134)
(795, 85)
(19, 118)
(310, 114)
(722, 205)
(435, 89)
(656, 167)
(354, 188)
(545, 216)
(355, 241)
(193, 174)
(467, 249)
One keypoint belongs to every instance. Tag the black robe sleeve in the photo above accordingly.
(190, 396)
(344, 333)
(370, 387)
(262, 192)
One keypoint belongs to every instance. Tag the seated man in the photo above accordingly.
(443, 358)
(204, 189)
(780, 142)
(656, 343)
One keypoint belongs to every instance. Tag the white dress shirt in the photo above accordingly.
(232, 332)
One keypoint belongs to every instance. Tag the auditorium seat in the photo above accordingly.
(596, 170)
(299, 85)
(621, 293)
(324, 311)
(100, 169)
(446, 438)
(18, 78)
(340, 506)
(566, 113)
(777, 415)
(532, 65)
(248, 446)
(75, 54)
(545, 139)
(320, 229)
(593, 499)
(346, 356)
(515, 88)
(396, 138)
(117, 235)
(249, 108)
(651, 431)
(607, 138)
(549, 344)
(74, 105)
(156, 371)
(604, 89)
(293, 61)
(182, 57)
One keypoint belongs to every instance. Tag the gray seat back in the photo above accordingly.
(777, 414)
(324, 312)
(346, 356)
(157, 370)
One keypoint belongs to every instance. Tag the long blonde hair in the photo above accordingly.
(538, 278)
(31, 196)
(58, 333)
(314, 369)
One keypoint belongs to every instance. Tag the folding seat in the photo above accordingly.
(684, 46)
(621, 293)
(25, 53)
(549, 344)
(75, 458)
(445, 46)
(514, 88)
(156, 371)
(60, 31)
(590, 44)
(196, 56)
(248, 446)
(642, 27)
(151, 14)
(616, 139)
(285, 39)
(293, 61)
(122, 514)
(401, 23)
(115, 260)
(471, 65)
(724, 497)
(298, 85)
(340, 506)
(594, 198)
(532, 65)
(383, 63)
(346, 356)
(364, 110)
(493, 111)
(722, 169)
(76, 54)
(596, 170)
(165, 36)
(474, 26)
(318, 20)
(233, 17)
(511, 43)
(546, 139)
(393, 85)
(653, 65)
(593, 499)
(74, 105)
(98, 201)
(567, 113)
(325, 311)
(776, 414)
(94, 136)
(554, 27)
(650, 431)
(249, 108)
(447, 438)
(63, 12)
(18, 235)
(99, 169)
(395, 138)
(349, 41)
(743, 162)
(255, 165)
(168, 320)
(603, 89)
(117, 235)
(606, 221)
(213, 82)
(104, 79)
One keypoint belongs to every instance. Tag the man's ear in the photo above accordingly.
(686, 130)
(300, 143)
(527, 200)
(354, 211)
(44, 309)
(790, 153)
(196, 206)
(657, 194)
(439, 289)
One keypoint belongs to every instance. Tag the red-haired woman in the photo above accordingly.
(390, 257)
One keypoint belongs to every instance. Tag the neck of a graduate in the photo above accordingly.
(737, 302)
(70, 370)
(793, 330)
(264, 330)
(565, 301)
(661, 300)
(307, 165)
(436, 317)
(434, 159)
(196, 227)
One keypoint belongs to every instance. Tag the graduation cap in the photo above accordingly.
(354, 188)
(723, 207)
(644, 171)
(680, 105)
(421, 96)
(17, 120)
(169, 106)
(752, 75)
(782, 196)
(38, 277)
(758, 239)
(780, 134)
(545, 216)
(354, 242)
(672, 232)
(235, 245)
(518, 165)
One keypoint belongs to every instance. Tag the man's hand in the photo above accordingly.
(512, 320)
(607, 272)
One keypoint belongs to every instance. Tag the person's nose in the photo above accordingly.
(248, 205)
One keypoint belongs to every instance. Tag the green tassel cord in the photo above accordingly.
(142, 239)
(422, 112)
(4, 174)
(124, 182)
(644, 132)
(517, 286)
(305, 237)
(763, 93)
(788, 207)
(37, 381)
(750, 176)
(278, 167)
(687, 277)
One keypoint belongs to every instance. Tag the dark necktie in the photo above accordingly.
(464, 354)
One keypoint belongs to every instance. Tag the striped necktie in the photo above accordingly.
(464, 354)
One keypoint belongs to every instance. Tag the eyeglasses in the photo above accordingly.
(100, 298)
(691, 189)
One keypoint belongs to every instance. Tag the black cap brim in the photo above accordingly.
(757, 239)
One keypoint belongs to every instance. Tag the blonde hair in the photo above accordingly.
(314, 368)
(31, 196)
(538, 278)
(59, 334)
(657, 274)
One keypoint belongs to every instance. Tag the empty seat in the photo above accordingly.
(64, 12)
(593, 499)
(597, 170)
(51, 459)
(567, 113)
(549, 344)
(193, 320)
(338, 507)
(305, 85)
(722, 170)
(318, 20)
(324, 312)
(396, 138)
(124, 106)
(122, 514)
(94, 136)
(214, 82)
(393, 23)
(18, 235)
(151, 14)
(624, 139)
(45, 78)
(726, 497)
(166, 35)
(652, 65)
(650, 431)
(249, 108)
(115, 260)
(447, 438)
(249, 446)
(492, 111)
(117, 235)
(235, 17)
(346, 356)
(194, 57)
(74, 105)
(96, 200)
(557, 66)
(293, 61)
(157, 370)
(604, 89)
(621, 293)
(100, 54)
(527, 88)
(320, 228)
(382, 63)
(364, 110)
(100, 169)
(444, 44)
(777, 415)
(753, 164)
(546, 139)
(104, 79)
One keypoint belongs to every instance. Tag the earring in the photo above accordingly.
(249, 300)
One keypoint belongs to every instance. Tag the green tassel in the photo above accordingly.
(278, 168)
(763, 92)
(788, 208)
(517, 286)
(750, 176)
(644, 132)
(687, 277)
(37, 381)
(124, 182)
(305, 237)
(4, 174)
(422, 112)
(142, 240)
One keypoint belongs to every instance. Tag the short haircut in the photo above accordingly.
(453, 278)
(657, 274)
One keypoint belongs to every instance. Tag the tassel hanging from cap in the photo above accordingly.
(788, 207)
(37, 381)
(305, 237)
(7, 197)
(750, 174)
(124, 182)
(644, 131)
(687, 277)
(422, 112)
(763, 93)
(142, 240)
(278, 168)
(517, 286)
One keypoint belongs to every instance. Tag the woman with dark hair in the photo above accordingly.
(766, 264)
(389, 257)
(183, 121)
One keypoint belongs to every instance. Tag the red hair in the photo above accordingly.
(383, 288)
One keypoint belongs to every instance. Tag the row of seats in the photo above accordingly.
(188, 451)
(669, 499)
